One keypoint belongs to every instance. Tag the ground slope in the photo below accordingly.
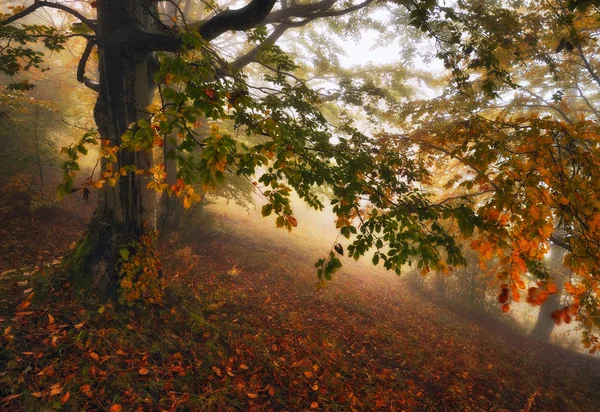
(247, 329)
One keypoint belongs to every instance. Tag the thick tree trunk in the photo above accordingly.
(545, 324)
(126, 88)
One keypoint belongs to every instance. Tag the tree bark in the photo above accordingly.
(544, 325)
(126, 210)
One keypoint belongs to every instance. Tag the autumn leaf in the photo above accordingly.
(65, 398)
(252, 395)
(143, 371)
(115, 408)
(55, 389)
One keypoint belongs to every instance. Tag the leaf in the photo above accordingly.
(292, 221)
(314, 405)
(143, 371)
(115, 408)
(252, 395)
(50, 319)
(243, 367)
(55, 389)
(339, 249)
(94, 356)
(65, 398)
(124, 253)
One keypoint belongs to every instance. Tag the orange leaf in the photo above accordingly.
(505, 308)
(65, 398)
(50, 319)
(55, 389)
(314, 405)
(252, 395)
(551, 288)
(94, 356)
(115, 408)
(143, 371)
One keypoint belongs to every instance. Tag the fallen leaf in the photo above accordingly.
(314, 405)
(55, 389)
(252, 395)
(115, 408)
(65, 398)
(94, 356)
(10, 398)
(143, 371)
(243, 367)
(50, 319)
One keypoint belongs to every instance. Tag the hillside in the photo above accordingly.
(246, 328)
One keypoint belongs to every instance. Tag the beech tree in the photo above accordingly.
(522, 173)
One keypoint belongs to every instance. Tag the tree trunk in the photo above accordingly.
(545, 324)
(126, 210)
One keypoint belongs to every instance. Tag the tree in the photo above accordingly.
(521, 119)
(294, 148)
(521, 173)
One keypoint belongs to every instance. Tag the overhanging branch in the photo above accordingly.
(39, 3)
(245, 18)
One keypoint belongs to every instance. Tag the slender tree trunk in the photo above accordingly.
(126, 88)
(38, 153)
(545, 324)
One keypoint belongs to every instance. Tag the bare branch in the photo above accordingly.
(81, 67)
(241, 19)
(40, 3)
(312, 10)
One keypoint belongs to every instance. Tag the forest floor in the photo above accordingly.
(247, 329)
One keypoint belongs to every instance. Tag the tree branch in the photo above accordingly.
(253, 54)
(245, 18)
(40, 3)
(81, 67)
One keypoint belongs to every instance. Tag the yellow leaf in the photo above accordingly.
(153, 108)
